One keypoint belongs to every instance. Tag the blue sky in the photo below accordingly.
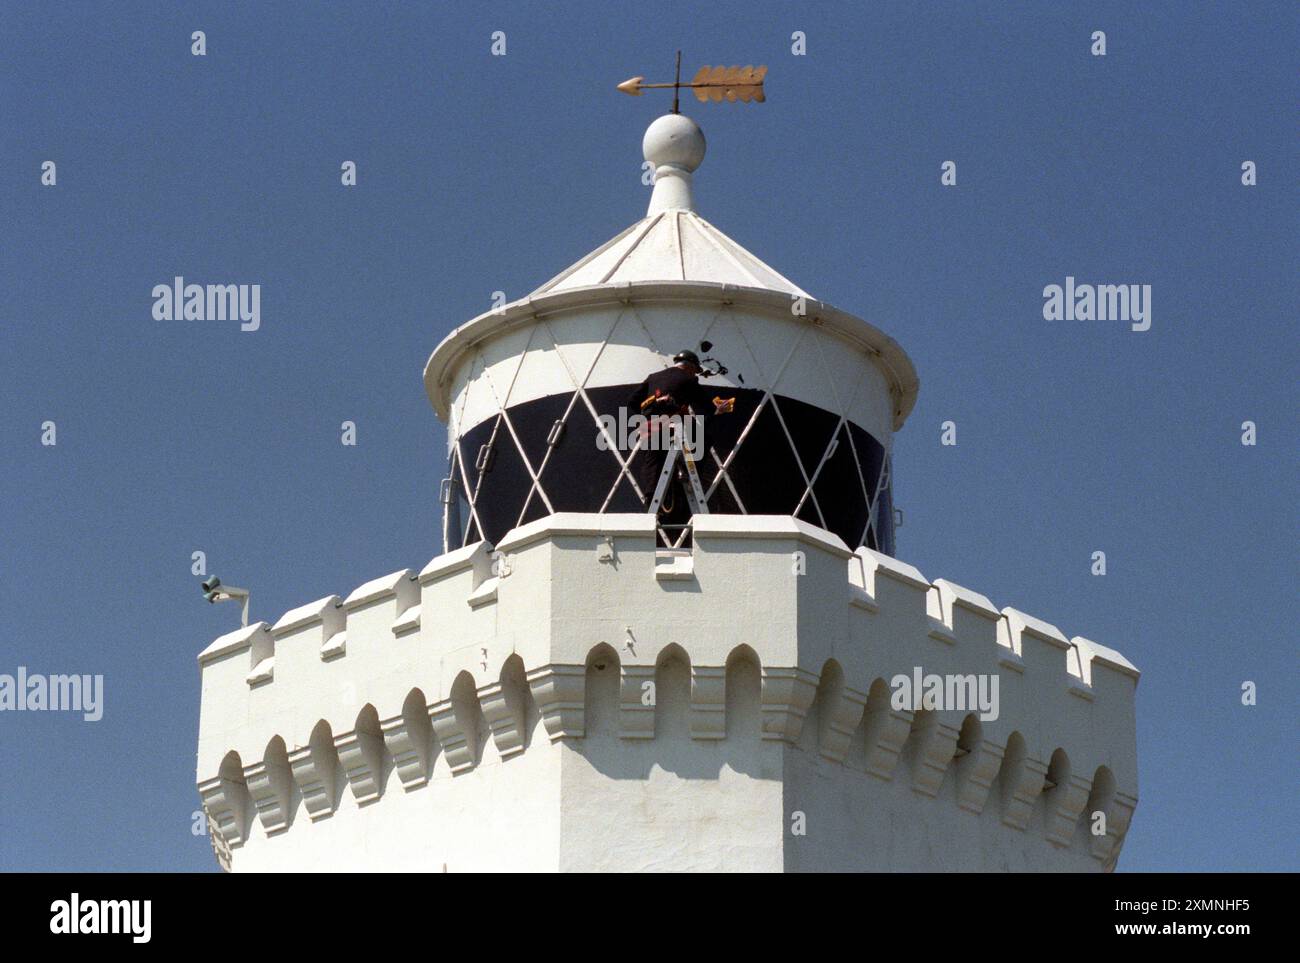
(479, 173)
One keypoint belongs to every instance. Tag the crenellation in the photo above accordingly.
(261, 673)
(400, 586)
(243, 657)
(485, 594)
(1021, 626)
(426, 704)
(876, 564)
(253, 640)
(568, 695)
(474, 558)
(970, 618)
(309, 635)
(1093, 654)
(407, 621)
(446, 585)
(323, 611)
(899, 627)
(381, 609)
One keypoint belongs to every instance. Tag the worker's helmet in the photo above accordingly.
(689, 357)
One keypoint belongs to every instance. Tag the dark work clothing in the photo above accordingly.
(678, 389)
(672, 391)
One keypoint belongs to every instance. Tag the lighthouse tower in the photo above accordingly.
(568, 686)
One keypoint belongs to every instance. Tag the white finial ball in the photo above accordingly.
(674, 140)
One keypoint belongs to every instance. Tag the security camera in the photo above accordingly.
(215, 592)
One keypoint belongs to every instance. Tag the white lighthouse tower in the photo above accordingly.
(572, 685)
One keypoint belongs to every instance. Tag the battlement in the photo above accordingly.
(576, 673)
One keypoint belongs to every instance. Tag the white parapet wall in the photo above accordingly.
(578, 700)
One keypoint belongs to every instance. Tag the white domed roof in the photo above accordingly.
(671, 245)
(670, 255)
(672, 242)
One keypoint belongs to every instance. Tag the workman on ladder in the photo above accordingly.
(672, 391)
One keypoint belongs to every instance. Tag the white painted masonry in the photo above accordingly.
(469, 721)
(591, 702)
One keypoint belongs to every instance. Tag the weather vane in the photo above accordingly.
(710, 83)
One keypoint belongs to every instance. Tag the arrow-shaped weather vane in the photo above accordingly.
(710, 83)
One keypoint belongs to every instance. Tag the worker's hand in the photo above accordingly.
(724, 406)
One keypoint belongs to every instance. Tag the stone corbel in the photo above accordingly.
(1023, 788)
(457, 745)
(314, 771)
(361, 755)
(269, 787)
(505, 717)
(935, 748)
(976, 772)
(1064, 803)
(411, 749)
(636, 719)
(226, 802)
(887, 732)
(842, 717)
(787, 695)
(1118, 816)
(559, 691)
(708, 702)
